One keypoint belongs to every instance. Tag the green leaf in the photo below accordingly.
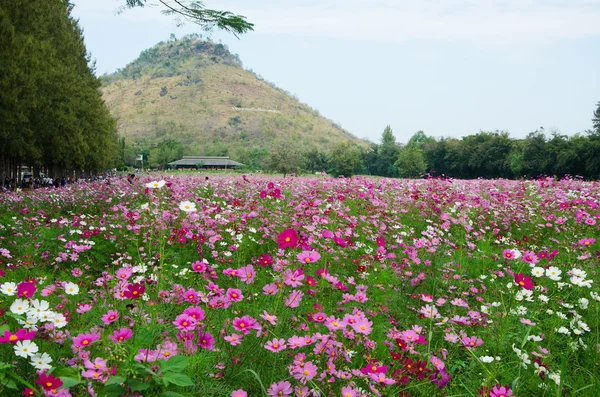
(3, 328)
(113, 391)
(135, 385)
(171, 394)
(177, 379)
(115, 380)
(174, 364)
(69, 382)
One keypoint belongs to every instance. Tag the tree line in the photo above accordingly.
(52, 116)
(481, 155)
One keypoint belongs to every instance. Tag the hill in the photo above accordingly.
(192, 96)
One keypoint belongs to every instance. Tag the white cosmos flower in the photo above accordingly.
(19, 306)
(486, 359)
(41, 361)
(59, 320)
(8, 288)
(537, 271)
(25, 348)
(553, 273)
(38, 307)
(71, 288)
(155, 184)
(187, 206)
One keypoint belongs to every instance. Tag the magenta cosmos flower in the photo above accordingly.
(287, 238)
(26, 290)
(524, 282)
(508, 254)
(20, 335)
(308, 256)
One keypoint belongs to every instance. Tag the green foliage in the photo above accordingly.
(344, 159)
(596, 119)
(53, 116)
(411, 163)
(284, 158)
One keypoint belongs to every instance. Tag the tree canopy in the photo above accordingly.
(51, 109)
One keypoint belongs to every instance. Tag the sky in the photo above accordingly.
(448, 67)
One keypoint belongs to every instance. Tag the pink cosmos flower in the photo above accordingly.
(279, 389)
(239, 393)
(501, 391)
(124, 273)
(362, 326)
(333, 323)
(508, 254)
(275, 345)
(247, 274)
(234, 294)
(530, 258)
(270, 289)
(294, 278)
(294, 299)
(82, 341)
(199, 266)
(471, 342)
(305, 372)
(234, 339)
(295, 342)
(110, 317)
(272, 319)
(308, 256)
(206, 340)
(196, 312)
(381, 379)
(586, 242)
(245, 324)
(121, 335)
(287, 239)
(348, 391)
(184, 322)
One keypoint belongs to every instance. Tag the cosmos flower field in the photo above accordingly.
(261, 286)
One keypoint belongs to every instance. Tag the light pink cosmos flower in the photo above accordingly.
(294, 299)
(283, 388)
(294, 278)
(381, 379)
(272, 319)
(295, 342)
(275, 345)
(308, 256)
(362, 326)
(234, 339)
(348, 391)
(239, 393)
(305, 372)
(270, 289)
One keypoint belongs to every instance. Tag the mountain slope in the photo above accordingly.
(196, 92)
